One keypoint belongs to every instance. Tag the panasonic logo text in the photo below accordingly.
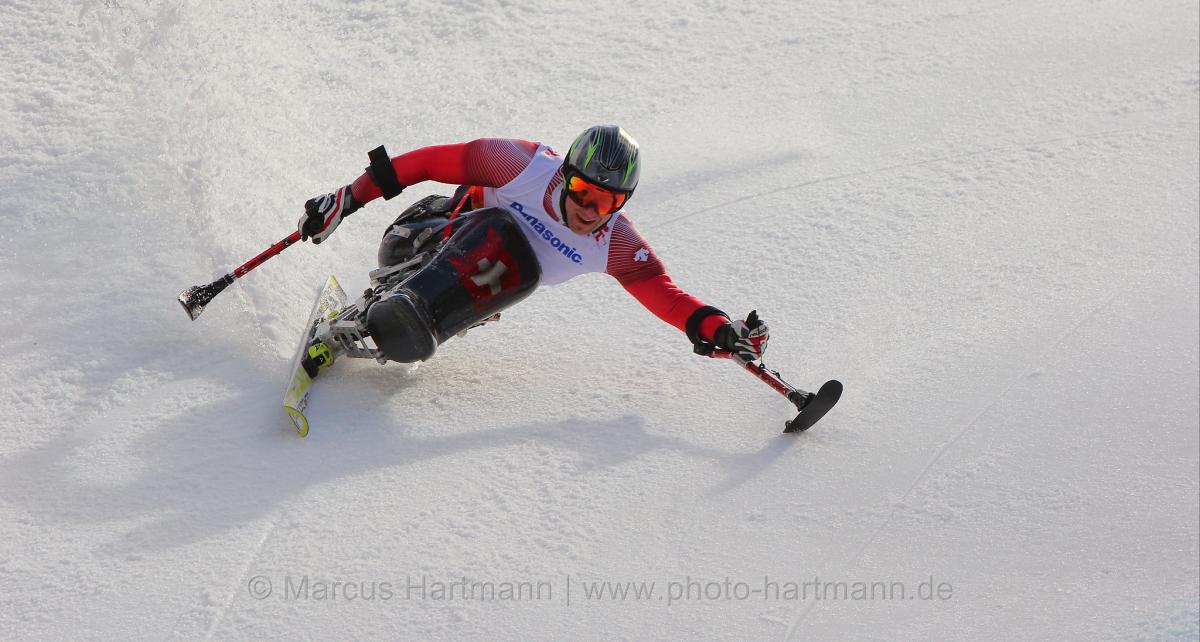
(547, 234)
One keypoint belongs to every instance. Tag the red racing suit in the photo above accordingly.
(494, 162)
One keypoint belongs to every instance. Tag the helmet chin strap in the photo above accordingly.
(562, 208)
(562, 201)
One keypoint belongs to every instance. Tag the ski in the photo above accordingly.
(810, 406)
(330, 301)
(815, 407)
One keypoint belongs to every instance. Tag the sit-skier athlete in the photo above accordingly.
(523, 216)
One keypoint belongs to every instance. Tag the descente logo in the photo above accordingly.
(547, 234)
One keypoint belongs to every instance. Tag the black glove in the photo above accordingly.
(322, 214)
(747, 340)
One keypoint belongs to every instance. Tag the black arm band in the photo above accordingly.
(693, 324)
(384, 173)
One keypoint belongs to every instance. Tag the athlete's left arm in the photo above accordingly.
(638, 269)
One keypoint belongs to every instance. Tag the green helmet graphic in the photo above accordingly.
(606, 156)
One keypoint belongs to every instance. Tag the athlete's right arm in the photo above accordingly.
(486, 162)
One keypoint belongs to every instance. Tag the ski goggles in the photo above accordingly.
(588, 194)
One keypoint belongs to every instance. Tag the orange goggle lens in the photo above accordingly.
(586, 194)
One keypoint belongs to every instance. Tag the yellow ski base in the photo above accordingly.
(329, 302)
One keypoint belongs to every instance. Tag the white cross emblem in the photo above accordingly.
(489, 275)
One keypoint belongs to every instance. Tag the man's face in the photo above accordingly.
(589, 206)
(583, 220)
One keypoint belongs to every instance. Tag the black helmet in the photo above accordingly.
(606, 156)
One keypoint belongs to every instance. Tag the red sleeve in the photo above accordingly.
(638, 269)
(487, 162)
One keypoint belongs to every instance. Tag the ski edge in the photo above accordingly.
(299, 421)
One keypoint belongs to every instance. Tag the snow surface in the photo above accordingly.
(982, 217)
